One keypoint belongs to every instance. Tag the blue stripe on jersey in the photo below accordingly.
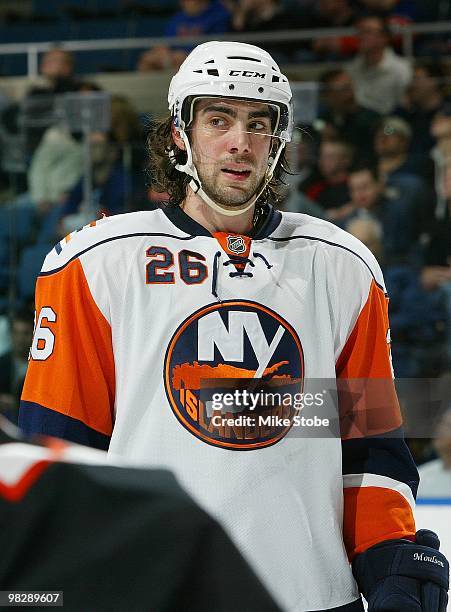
(385, 456)
(434, 501)
(93, 246)
(58, 248)
(36, 419)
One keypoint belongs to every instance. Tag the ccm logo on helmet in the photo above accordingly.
(247, 73)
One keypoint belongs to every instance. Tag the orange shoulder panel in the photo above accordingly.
(368, 400)
(78, 378)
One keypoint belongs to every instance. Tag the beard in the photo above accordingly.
(214, 183)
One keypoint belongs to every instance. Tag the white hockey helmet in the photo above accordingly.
(229, 70)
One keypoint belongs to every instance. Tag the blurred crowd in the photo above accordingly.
(375, 160)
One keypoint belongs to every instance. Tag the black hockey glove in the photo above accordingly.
(404, 576)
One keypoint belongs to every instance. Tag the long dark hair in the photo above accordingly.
(166, 178)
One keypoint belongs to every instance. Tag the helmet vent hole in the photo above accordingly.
(275, 79)
(231, 86)
(247, 59)
(213, 72)
(212, 61)
(198, 71)
(261, 90)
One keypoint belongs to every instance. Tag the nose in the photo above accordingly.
(239, 139)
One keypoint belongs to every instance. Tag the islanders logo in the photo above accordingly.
(232, 372)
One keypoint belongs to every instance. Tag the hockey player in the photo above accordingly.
(164, 335)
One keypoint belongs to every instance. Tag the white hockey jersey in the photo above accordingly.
(148, 326)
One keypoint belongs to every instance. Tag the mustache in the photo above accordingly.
(239, 159)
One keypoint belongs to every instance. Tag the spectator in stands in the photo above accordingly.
(266, 16)
(397, 9)
(441, 155)
(437, 253)
(14, 363)
(344, 117)
(369, 231)
(57, 67)
(332, 14)
(256, 15)
(395, 213)
(328, 187)
(424, 97)
(379, 75)
(195, 18)
(127, 131)
(301, 156)
(435, 476)
(391, 144)
(56, 166)
(437, 243)
(57, 72)
(110, 187)
(324, 14)
(398, 172)
(160, 58)
(417, 317)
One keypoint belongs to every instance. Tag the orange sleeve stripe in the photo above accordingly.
(78, 379)
(368, 400)
(372, 515)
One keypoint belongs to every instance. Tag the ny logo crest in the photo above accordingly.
(227, 344)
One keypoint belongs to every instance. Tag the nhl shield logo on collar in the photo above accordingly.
(236, 244)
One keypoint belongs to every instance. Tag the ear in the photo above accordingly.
(178, 140)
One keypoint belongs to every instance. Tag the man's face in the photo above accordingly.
(339, 92)
(333, 159)
(193, 7)
(388, 143)
(423, 85)
(230, 142)
(331, 8)
(371, 35)
(364, 189)
(56, 64)
(441, 126)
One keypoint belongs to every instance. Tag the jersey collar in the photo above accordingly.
(186, 224)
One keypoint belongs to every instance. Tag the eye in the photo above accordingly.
(259, 126)
(217, 122)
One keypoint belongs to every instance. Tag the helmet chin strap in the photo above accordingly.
(189, 168)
